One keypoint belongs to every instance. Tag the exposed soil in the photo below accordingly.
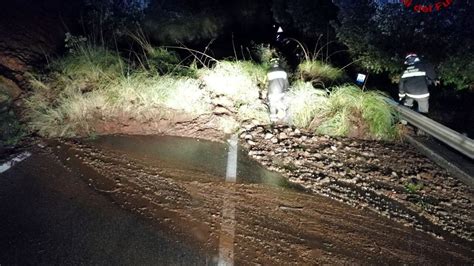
(253, 223)
(392, 179)
(202, 127)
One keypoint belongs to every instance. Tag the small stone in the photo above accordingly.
(221, 111)
(268, 136)
(248, 127)
(274, 140)
(282, 136)
(251, 143)
(333, 148)
(248, 136)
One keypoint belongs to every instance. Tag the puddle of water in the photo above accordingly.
(191, 156)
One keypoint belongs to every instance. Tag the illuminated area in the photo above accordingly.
(149, 132)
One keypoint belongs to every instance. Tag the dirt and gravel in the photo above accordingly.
(359, 201)
(253, 223)
(390, 178)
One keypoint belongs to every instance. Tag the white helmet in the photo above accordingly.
(411, 58)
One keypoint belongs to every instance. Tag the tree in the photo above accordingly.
(379, 35)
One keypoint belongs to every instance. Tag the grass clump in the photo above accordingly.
(345, 111)
(413, 186)
(166, 62)
(353, 112)
(305, 103)
(88, 64)
(240, 81)
(317, 71)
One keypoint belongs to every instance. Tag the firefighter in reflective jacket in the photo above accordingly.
(277, 87)
(414, 83)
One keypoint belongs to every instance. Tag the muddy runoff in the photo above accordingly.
(178, 185)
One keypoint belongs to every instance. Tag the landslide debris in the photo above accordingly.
(390, 178)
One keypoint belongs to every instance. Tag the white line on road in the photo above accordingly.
(20, 157)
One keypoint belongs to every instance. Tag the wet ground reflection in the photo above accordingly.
(227, 235)
(194, 156)
(227, 232)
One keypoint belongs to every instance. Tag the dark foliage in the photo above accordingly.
(379, 35)
(191, 21)
(307, 17)
(106, 18)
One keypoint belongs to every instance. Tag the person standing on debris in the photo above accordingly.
(277, 87)
(414, 83)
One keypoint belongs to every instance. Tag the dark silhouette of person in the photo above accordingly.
(414, 83)
(277, 87)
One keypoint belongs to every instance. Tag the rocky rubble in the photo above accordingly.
(392, 179)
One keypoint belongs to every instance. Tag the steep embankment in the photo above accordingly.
(30, 33)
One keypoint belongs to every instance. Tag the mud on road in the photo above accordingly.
(256, 223)
(390, 178)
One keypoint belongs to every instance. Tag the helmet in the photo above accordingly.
(411, 58)
(275, 62)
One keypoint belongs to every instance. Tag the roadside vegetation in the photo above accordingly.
(92, 84)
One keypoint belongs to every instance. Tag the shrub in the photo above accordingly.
(167, 62)
(458, 70)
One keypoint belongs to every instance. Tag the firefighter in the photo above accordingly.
(414, 83)
(277, 87)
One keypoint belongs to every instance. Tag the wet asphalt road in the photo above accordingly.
(49, 216)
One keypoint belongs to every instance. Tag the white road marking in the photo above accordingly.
(20, 157)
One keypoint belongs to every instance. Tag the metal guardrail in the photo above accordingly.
(457, 141)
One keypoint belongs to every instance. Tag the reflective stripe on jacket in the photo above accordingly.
(277, 81)
(415, 80)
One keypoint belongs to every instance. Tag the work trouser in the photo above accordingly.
(278, 107)
(423, 103)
